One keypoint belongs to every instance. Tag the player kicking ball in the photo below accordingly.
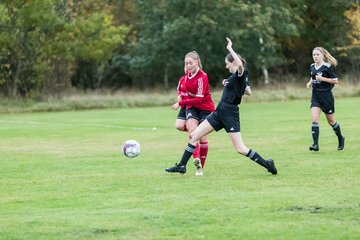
(227, 115)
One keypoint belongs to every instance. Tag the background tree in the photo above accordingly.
(324, 25)
(272, 24)
(96, 35)
(169, 29)
(352, 50)
(48, 46)
(42, 42)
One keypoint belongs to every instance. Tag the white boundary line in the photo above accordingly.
(79, 123)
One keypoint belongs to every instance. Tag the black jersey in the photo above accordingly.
(235, 87)
(325, 70)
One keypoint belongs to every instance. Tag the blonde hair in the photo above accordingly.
(327, 56)
(194, 55)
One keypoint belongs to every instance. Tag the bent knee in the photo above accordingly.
(204, 138)
(331, 122)
(195, 136)
(180, 128)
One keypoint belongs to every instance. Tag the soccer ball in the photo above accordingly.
(131, 148)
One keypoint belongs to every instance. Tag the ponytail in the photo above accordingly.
(327, 56)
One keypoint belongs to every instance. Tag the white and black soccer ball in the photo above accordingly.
(131, 148)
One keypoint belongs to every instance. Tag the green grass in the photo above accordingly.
(62, 176)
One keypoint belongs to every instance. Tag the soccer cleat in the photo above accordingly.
(341, 144)
(271, 168)
(197, 163)
(199, 169)
(199, 172)
(177, 168)
(314, 147)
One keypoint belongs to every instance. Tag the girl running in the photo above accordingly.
(323, 78)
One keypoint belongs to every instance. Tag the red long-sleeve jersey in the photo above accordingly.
(198, 92)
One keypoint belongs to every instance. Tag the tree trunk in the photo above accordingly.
(13, 88)
(266, 74)
(166, 78)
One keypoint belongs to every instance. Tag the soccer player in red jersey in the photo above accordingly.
(198, 102)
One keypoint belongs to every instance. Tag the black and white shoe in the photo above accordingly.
(199, 169)
(314, 148)
(271, 167)
(177, 168)
(341, 144)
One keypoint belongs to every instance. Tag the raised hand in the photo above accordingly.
(229, 45)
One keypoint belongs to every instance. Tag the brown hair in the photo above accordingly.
(230, 58)
(194, 55)
(327, 56)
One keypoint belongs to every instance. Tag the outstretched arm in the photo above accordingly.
(235, 56)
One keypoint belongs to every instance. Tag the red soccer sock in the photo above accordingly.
(204, 147)
(196, 153)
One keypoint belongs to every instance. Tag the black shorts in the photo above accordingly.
(226, 116)
(323, 100)
(182, 114)
(197, 114)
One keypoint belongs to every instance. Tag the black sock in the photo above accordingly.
(337, 130)
(257, 158)
(315, 129)
(187, 154)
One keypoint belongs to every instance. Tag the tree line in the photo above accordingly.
(50, 46)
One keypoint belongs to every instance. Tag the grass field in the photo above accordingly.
(62, 176)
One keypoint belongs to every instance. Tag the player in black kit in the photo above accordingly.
(323, 78)
(227, 115)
